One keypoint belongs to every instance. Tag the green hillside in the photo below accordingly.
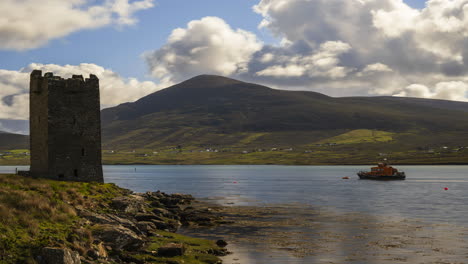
(217, 120)
(13, 141)
(178, 124)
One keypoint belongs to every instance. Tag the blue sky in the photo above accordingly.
(128, 43)
(407, 48)
(120, 49)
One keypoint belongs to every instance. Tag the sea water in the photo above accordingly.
(430, 193)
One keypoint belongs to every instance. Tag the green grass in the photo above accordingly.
(360, 136)
(37, 213)
(416, 146)
(196, 249)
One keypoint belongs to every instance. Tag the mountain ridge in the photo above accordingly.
(221, 107)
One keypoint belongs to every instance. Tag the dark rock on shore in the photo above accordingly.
(221, 243)
(50, 255)
(171, 250)
(128, 224)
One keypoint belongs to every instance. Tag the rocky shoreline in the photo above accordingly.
(123, 232)
(49, 222)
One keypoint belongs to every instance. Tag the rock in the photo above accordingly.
(156, 204)
(50, 255)
(109, 219)
(147, 217)
(102, 252)
(153, 196)
(98, 252)
(219, 252)
(146, 227)
(129, 204)
(221, 243)
(171, 250)
(200, 217)
(93, 254)
(174, 209)
(161, 225)
(119, 237)
(162, 212)
(183, 198)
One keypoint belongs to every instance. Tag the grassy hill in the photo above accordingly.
(13, 141)
(99, 223)
(216, 120)
(178, 124)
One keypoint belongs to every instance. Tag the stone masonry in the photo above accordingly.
(65, 123)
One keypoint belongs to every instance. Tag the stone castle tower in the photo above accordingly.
(65, 128)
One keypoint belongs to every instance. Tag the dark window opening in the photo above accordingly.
(61, 176)
(75, 172)
(82, 152)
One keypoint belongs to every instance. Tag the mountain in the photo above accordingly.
(217, 111)
(15, 126)
(13, 141)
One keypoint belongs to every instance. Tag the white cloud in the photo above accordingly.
(28, 24)
(455, 90)
(291, 70)
(410, 45)
(323, 63)
(208, 45)
(439, 28)
(375, 68)
(14, 87)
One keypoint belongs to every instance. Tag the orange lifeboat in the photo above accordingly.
(382, 172)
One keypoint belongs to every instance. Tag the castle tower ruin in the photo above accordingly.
(65, 128)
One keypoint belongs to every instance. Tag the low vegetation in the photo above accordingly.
(39, 213)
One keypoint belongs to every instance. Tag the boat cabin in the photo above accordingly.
(383, 170)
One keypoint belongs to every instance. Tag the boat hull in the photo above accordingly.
(366, 176)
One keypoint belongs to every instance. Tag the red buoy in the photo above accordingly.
(446, 188)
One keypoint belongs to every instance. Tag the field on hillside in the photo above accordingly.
(337, 147)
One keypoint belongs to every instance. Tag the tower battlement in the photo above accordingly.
(65, 127)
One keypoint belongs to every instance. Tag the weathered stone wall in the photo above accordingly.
(72, 141)
(38, 123)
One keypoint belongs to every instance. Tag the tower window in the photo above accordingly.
(82, 152)
(75, 172)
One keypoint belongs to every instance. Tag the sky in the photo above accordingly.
(408, 48)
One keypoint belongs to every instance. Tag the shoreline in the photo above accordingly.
(56, 222)
(294, 233)
(267, 164)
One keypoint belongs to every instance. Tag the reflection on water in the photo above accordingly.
(421, 196)
(352, 221)
(301, 234)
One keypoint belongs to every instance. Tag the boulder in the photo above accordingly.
(109, 219)
(147, 217)
(51, 255)
(129, 204)
(171, 250)
(221, 243)
(118, 237)
(162, 212)
(146, 227)
(98, 252)
(161, 225)
(199, 217)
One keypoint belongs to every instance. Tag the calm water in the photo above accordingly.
(421, 196)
